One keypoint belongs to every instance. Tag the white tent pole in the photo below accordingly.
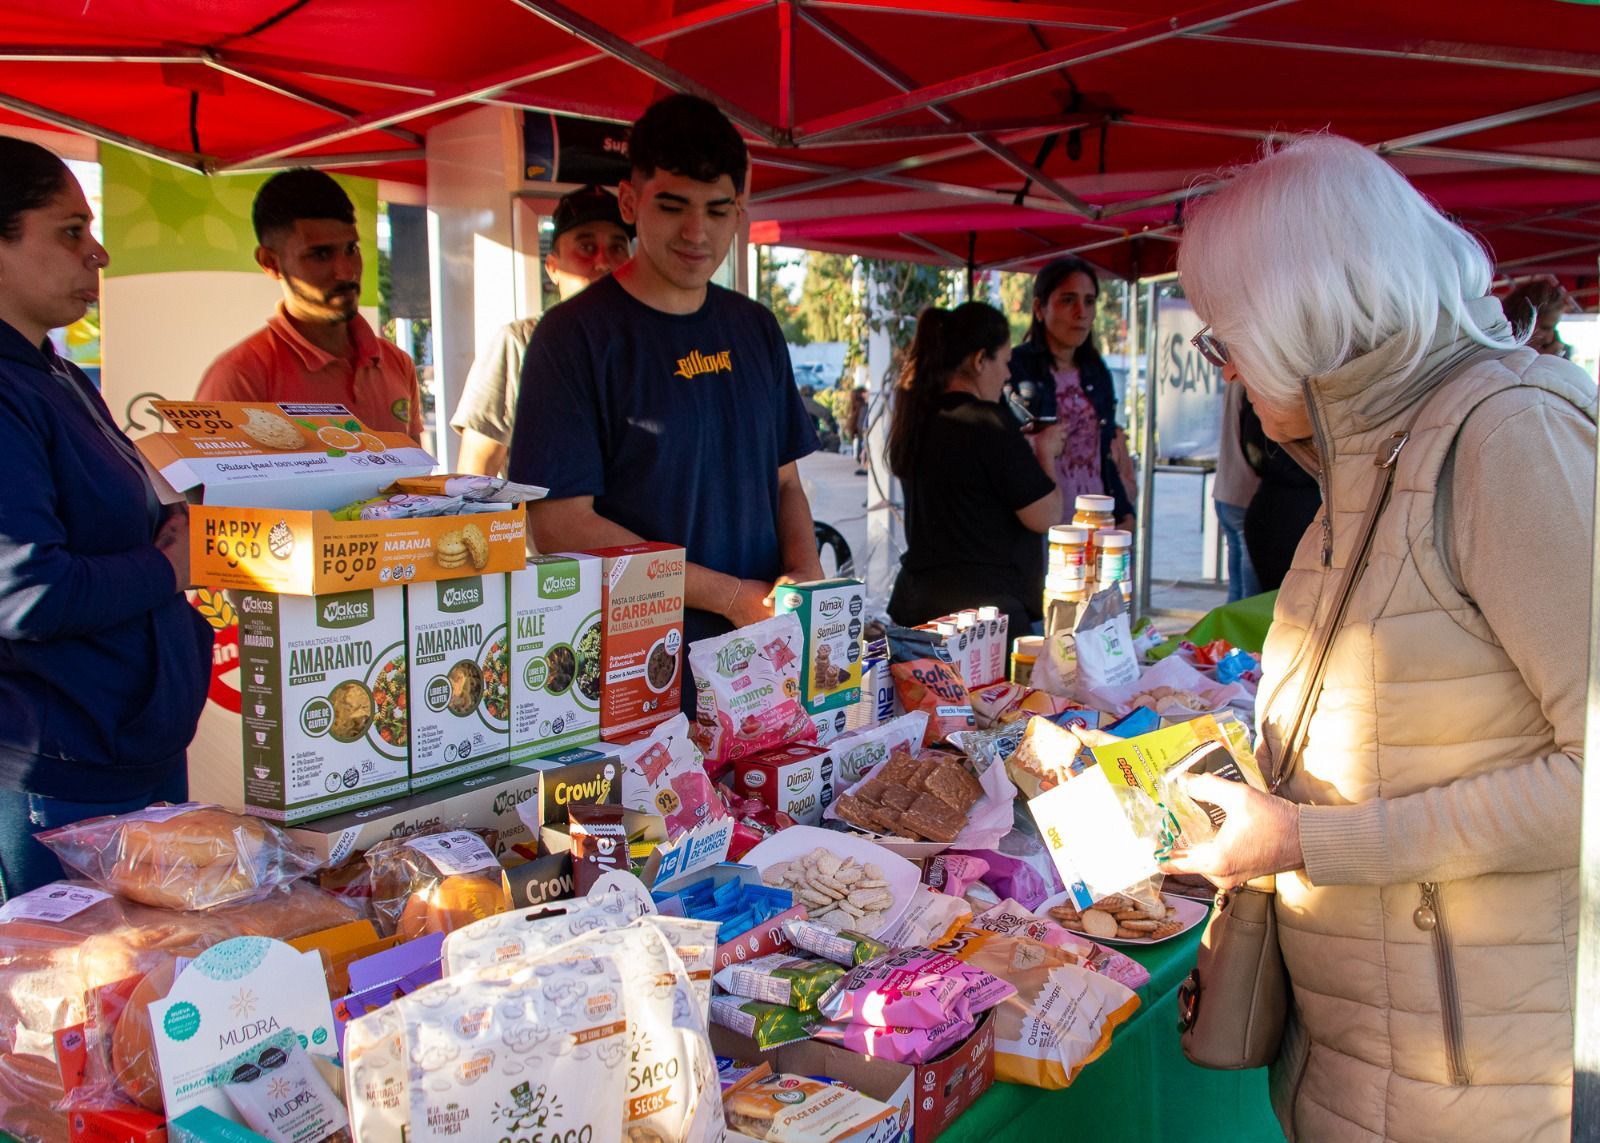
(1147, 460)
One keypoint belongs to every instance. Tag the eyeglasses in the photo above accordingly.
(1211, 347)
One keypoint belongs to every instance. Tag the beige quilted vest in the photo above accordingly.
(1462, 1031)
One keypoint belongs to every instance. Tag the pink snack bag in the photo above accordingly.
(900, 1045)
(663, 773)
(913, 988)
(747, 690)
(954, 873)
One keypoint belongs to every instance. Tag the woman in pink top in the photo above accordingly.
(1059, 373)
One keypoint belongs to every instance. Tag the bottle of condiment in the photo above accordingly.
(1067, 575)
(1115, 548)
(1094, 513)
(1026, 651)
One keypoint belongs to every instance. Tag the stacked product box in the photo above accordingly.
(641, 638)
(831, 613)
(322, 683)
(298, 723)
(460, 678)
(555, 654)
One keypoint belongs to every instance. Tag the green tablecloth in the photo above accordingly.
(1242, 623)
(1141, 1089)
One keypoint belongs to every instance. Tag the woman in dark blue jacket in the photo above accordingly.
(103, 664)
(1059, 373)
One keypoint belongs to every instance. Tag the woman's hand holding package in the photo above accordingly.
(1260, 835)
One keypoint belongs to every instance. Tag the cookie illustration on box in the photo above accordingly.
(271, 430)
(451, 551)
(477, 545)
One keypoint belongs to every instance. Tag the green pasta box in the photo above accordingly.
(322, 690)
(460, 678)
(555, 655)
(830, 612)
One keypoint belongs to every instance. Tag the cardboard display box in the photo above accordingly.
(555, 654)
(933, 1094)
(460, 668)
(479, 801)
(322, 682)
(271, 475)
(795, 780)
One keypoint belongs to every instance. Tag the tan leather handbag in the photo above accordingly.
(1232, 1007)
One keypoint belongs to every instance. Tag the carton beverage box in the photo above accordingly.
(555, 654)
(323, 706)
(460, 701)
(830, 612)
(796, 780)
(641, 640)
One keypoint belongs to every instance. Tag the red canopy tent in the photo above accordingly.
(958, 131)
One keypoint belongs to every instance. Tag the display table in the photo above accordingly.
(1141, 1089)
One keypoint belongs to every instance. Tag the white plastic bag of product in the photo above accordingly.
(278, 1092)
(528, 932)
(520, 1048)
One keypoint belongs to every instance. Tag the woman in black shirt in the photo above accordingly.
(978, 491)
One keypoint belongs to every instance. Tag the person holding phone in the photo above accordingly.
(1058, 374)
(979, 491)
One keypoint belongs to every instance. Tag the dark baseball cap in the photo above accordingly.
(589, 204)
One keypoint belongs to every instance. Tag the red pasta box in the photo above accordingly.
(641, 638)
(795, 780)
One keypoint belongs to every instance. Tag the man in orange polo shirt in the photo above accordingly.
(317, 348)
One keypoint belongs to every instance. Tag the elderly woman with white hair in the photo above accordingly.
(1425, 833)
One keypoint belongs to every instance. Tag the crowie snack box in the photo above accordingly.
(577, 776)
(555, 654)
(271, 475)
(830, 612)
(460, 678)
(641, 637)
(795, 780)
(322, 686)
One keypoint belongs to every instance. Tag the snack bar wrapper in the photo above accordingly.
(900, 1045)
(797, 982)
(747, 690)
(913, 988)
(663, 773)
(769, 1025)
(845, 947)
(1060, 1015)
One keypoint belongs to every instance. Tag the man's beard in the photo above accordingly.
(323, 304)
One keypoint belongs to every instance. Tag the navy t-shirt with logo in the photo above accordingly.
(676, 424)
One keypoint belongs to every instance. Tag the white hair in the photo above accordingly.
(1318, 253)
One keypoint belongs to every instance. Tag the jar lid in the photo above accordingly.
(1028, 645)
(1067, 534)
(1113, 538)
(1089, 502)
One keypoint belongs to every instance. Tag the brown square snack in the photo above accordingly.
(927, 797)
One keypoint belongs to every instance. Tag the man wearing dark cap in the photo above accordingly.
(590, 240)
(317, 348)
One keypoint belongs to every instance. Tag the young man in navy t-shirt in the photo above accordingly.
(657, 406)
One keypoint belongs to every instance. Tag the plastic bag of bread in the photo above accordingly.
(126, 969)
(30, 1088)
(41, 988)
(1062, 1013)
(435, 883)
(188, 856)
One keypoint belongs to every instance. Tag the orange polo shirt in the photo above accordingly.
(277, 363)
